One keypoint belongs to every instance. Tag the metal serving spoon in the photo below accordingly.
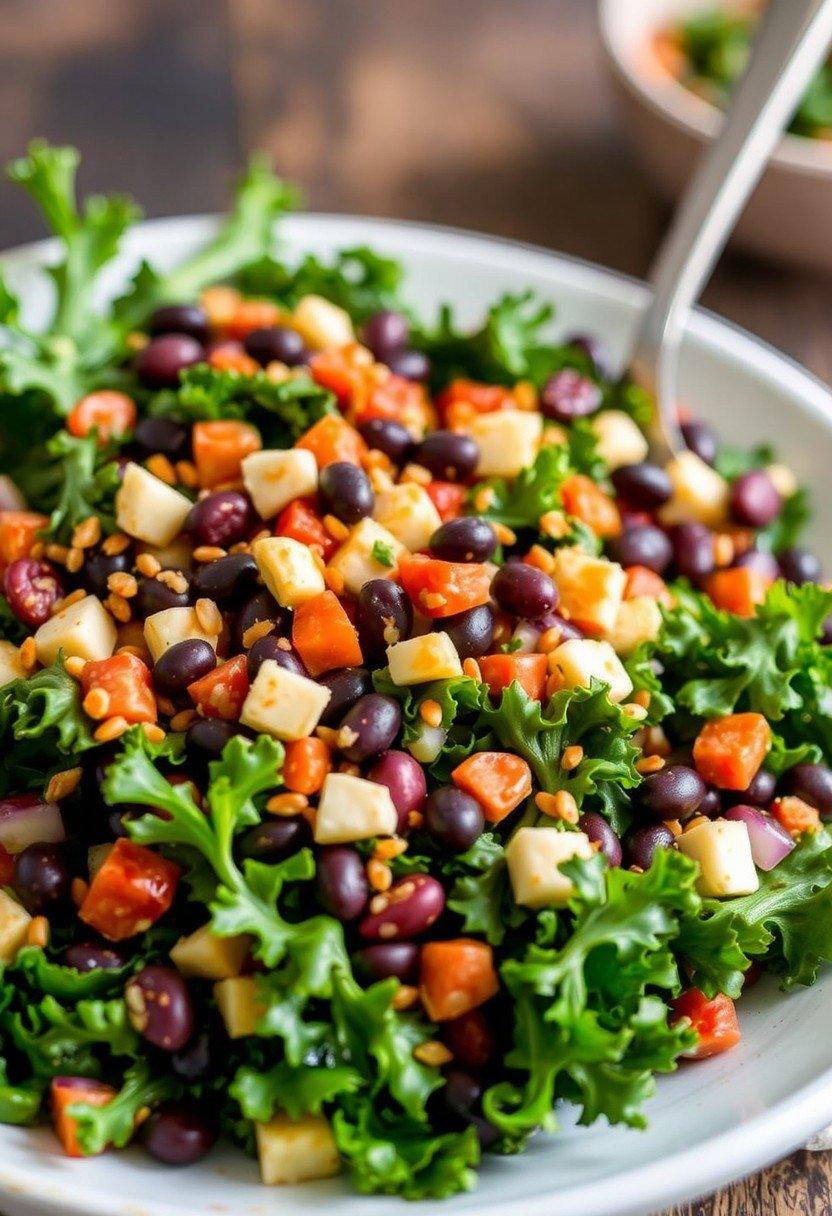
(790, 45)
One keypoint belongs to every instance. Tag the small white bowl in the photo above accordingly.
(789, 217)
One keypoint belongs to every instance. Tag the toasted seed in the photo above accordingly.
(287, 804)
(87, 533)
(37, 933)
(162, 468)
(433, 1053)
(111, 729)
(379, 875)
(29, 654)
(430, 711)
(572, 757)
(123, 584)
(96, 704)
(62, 784)
(148, 565)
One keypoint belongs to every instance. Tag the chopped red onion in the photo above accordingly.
(26, 819)
(770, 842)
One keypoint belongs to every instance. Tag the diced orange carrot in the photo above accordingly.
(729, 751)
(332, 438)
(302, 522)
(439, 589)
(127, 681)
(795, 815)
(324, 636)
(230, 356)
(714, 1020)
(347, 371)
(64, 1092)
(221, 693)
(641, 580)
(498, 780)
(588, 502)
(501, 670)
(107, 411)
(738, 590)
(219, 449)
(18, 532)
(455, 977)
(448, 498)
(250, 315)
(306, 765)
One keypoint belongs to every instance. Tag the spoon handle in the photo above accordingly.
(790, 45)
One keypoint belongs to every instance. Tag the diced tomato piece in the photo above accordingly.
(324, 636)
(738, 590)
(107, 411)
(347, 371)
(498, 780)
(448, 498)
(641, 580)
(133, 888)
(714, 1020)
(6, 867)
(221, 693)
(332, 438)
(250, 315)
(528, 670)
(588, 502)
(127, 681)
(18, 532)
(230, 356)
(795, 815)
(306, 765)
(439, 589)
(64, 1092)
(481, 398)
(219, 449)
(302, 522)
(729, 751)
(455, 977)
(470, 1038)
(395, 398)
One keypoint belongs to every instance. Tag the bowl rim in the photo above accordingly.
(669, 99)
(687, 1172)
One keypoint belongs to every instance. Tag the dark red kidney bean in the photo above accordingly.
(599, 831)
(89, 956)
(644, 545)
(386, 959)
(693, 550)
(375, 720)
(410, 364)
(453, 819)
(567, 395)
(759, 793)
(466, 539)
(757, 559)
(345, 491)
(640, 846)
(269, 648)
(223, 518)
(276, 344)
(461, 1099)
(345, 686)
(755, 500)
(387, 436)
(448, 455)
(593, 347)
(227, 578)
(568, 629)
(160, 1007)
(470, 1038)
(154, 596)
(98, 566)
(385, 332)
(799, 565)
(674, 792)
(341, 883)
(472, 631)
(700, 438)
(41, 877)
(646, 486)
(711, 804)
(160, 363)
(208, 736)
(195, 1059)
(384, 615)
(409, 908)
(32, 588)
(275, 839)
(262, 606)
(179, 319)
(181, 664)
(523, 590)
(162, 435)
(404, 777)
(178, 1134)
(812, 783)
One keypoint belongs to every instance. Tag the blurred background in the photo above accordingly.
(488, 114)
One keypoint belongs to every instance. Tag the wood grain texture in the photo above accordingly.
(481, 113)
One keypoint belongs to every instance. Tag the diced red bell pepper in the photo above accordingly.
(529, 670)
(332, 439)
(64, 1092)
(302, 522)
(439, 589)
(127, 681)
(498, 780)
(221, 693)
(714, 1020)
(324, 636)
(448, 498)
(455, 977)
(729, 751)
(482, 398)
(395, 398)
(132, 889)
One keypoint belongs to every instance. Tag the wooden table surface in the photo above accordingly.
(481, 113)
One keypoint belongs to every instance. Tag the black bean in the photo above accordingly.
(700, 438)
(812, 783)
(384, 615)
(89, 956)
(385, 959)
(404, 777)
(41, 877)
(274, 839)
(160, 1007)
(208, 736)
(640, 846)
(465, 539)
(674, 792)
(759, 560)
(98, 566)
(341, 882)
(759, 793)
(385, 332)
(178, 1134)
(195, 1059)
(221, 519)
(645, 485)
(411, 364)
(162, 435)
(276, 344)
(599, 831)
(262, 606)
(155, 596)
(269, 647)
(162, 360)
(755, 500)
(227, 578)
(642, 545)
(693, 550)
(375, 720)
(345, 685)
(182, 664)
(453, 819)
(346, 492)
(179, 319)
(524, 590)
(448, 455)
(471, 631)
(387, 436)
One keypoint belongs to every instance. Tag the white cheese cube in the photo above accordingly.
(164, 629)
(432, 656)
(321, 323)
(288, 569)
(352, 808)
(355, 560)
(407, 511)
(238, 1005)
(14, 923)
(620, 441)
(283, 704)
(723, 851)
(591, 588)
(149, 509)
(11, 664)
(533, 856)
(639, 620)
(699, 492)
(581, 659)
(274, 478)
(84, 630)
(296, 1150)
(508, 441)
(209, 957)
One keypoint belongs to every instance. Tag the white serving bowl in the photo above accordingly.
(709, 1122)
(789, 217)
